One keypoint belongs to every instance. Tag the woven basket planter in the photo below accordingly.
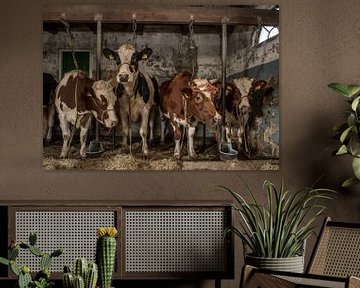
(291, 264)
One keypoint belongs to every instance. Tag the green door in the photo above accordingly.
(67, 62)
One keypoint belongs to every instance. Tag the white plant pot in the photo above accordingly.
(291, 264)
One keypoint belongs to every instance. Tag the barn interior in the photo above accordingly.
(318, 46)
(192, 41)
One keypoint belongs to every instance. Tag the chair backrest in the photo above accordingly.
(337, 251)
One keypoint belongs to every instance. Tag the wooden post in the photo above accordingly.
(98, 18)
(96, 146)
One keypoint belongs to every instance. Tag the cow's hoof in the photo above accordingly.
(62, 156)
(177, 156)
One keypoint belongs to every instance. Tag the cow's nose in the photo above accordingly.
(124, 77)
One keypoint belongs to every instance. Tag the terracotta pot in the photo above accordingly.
(291, 264)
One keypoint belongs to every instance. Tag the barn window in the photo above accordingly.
(268, 32)
(67, 63)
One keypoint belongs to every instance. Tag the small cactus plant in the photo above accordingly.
(42, 278)
(85, 275)
(106, 254)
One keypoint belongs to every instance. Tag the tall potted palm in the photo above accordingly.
(275, 233)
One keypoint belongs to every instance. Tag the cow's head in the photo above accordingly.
(243, 90)
(244, 84)
(127, 60)
(104, 103)
(199, 95)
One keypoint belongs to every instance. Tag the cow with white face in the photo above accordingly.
(243, 106)
(79, 98)
(135, 90)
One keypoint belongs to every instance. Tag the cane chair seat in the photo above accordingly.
(335, 262)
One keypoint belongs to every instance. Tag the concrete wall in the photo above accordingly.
(319, 44)
(170, 51)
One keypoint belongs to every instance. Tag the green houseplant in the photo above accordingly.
(279, 229)
(348, 133)
(42, 278)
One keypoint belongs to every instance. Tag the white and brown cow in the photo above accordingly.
(79, 98)
(186, 102)
(135, 90)
(244, 99)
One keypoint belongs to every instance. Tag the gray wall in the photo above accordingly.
(319, 44)
(170, 51)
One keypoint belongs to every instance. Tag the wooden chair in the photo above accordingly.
(335, 262)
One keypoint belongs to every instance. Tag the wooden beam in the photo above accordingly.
(116, 13)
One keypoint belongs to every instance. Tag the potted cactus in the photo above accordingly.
(106, 254)
(84, 275)
(42, 278)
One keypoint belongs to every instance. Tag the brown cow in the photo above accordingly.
(186, 102)
(77, 99)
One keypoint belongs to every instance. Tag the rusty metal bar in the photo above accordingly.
(223, 68)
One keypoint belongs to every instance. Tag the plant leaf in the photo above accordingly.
(349, 182)
(353, 89)
(342, 150)
(354, 145)
(340, 88)
(345, 134)
(356, 167)
(355, 103)
(351, 120)
(4, 261)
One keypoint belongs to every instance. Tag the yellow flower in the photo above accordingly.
(106, 231)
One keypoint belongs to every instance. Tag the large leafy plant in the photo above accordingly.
(349, 132)
(279, 229)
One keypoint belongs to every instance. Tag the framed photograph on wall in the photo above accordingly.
(161, 88)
